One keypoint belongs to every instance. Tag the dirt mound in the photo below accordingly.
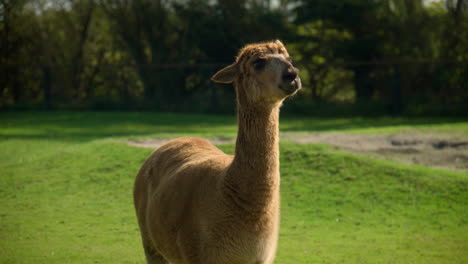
(414, 148)
(157, 142)
(424, 149)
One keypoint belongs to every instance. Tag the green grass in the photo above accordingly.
(79, 126)
(65, 191)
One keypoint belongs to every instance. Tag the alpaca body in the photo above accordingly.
(197, 205)
(190, 221)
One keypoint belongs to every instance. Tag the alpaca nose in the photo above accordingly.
(290, 74)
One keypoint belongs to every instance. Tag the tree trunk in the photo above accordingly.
(46, 83)
(362, 85)
(396, 104)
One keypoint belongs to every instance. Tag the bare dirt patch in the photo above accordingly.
(157, 142)
(437, 151)
(414, 148)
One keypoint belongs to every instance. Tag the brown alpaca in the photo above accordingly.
(197, 205)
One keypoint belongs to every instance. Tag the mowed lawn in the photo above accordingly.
(66, 191)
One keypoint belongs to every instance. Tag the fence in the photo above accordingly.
(386, 87)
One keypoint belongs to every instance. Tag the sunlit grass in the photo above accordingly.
(65, 192)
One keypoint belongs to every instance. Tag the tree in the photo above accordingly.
(64, 48)
(360, 19)
(16, 35)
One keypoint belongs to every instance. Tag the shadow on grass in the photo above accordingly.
(84, 126)
(321, 124)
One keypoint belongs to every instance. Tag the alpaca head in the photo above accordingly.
(262, 73)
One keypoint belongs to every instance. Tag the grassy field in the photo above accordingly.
(66, 183)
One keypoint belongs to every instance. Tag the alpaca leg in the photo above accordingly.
(152, 256)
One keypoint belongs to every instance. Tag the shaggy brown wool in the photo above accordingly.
(197, 205)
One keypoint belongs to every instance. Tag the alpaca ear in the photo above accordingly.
(279, 42)
(226, 75)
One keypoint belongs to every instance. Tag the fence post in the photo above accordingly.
(46, 87)
(396, 104)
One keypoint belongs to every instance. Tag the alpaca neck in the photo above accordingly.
(253, 176)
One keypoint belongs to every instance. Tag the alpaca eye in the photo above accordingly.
(259, 64)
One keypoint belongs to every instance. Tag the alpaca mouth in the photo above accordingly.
(291, 87)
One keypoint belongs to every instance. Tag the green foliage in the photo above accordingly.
(160, 55)
(400, 53)
(67, 182)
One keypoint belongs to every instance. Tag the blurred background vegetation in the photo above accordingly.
(357, 57)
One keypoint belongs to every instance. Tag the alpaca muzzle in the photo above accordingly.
(290, 81)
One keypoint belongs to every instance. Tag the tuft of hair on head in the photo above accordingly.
(229, 73)
(275, 46)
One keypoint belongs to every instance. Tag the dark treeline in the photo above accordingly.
(355, 56)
